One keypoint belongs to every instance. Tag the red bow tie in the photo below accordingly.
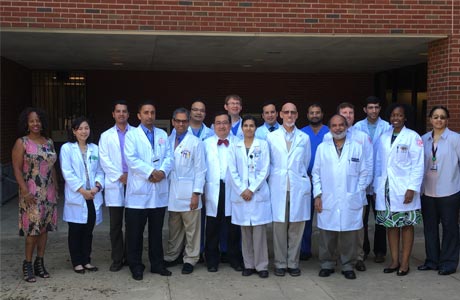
(220, 142)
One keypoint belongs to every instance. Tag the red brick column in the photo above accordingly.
(443, 86)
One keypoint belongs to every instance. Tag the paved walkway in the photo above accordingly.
(201, 285)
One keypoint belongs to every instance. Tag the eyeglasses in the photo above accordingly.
(439, 117)
(225, 123)
(180, 121)
(233, 103)
(287, 112)
(198, 110)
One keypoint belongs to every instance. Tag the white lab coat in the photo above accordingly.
(212, 184)
(110, 157)
(262, 131)
(363, 139)
(342, 183)
(382, 126)
(250, 171)
(295, 164)
(402, 163)
(188, 174)
(74, 173)
(142, 160)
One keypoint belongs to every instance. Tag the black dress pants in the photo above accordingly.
(380, 237)
(80, 238)
(213, 228)
(445, 254)
(135, 224)
(116, 234)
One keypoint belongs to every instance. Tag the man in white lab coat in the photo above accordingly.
(290, 190)
(270, 116)
(218, 195)
(233, 105)
(112, 158)
(149, 158)
(373, 126)
(347, 110)
(186, 183)
(339, 183)
(197, 126)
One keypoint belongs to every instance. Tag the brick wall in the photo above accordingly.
(294, 16)
(444, 77)
(16, 94)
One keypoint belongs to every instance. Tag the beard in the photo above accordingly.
(289, 124)
(315, 122)
(339, 136)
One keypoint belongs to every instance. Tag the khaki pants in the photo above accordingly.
(254, 247)
(343, 243)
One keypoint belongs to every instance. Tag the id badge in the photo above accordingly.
(434, 167)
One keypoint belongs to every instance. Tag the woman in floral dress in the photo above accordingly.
(33, 158)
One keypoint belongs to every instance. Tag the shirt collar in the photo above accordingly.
(146, 130)
(276, 125)
(181, 137)
(119, 130)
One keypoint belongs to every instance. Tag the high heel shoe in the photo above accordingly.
(39, 268)
(403, 273)
(391, 270)
(27, 271)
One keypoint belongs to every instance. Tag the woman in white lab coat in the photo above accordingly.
(248, 167)
(398, 179)
(84, 179)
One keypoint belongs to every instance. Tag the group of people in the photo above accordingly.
(223, 185)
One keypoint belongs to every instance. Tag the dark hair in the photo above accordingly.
(145, 102)
(75, 124)
(371, 100)
(439, 107)
(236, 97)
(220, 113)
(23, 120)
(119, 102)
(269, 102)
(181, 110)
(407, 113)
(197, 100)
(345, 105)
(339, 115)
(314, 104)
(248, 117)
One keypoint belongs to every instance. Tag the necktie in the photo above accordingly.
(220, 142)
(271, 128)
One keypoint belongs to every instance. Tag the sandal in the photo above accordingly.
(27, 271)
(76, 269)
(39, 268)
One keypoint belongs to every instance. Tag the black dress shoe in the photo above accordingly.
(248, 272)
(390, 270)
(446, 272)
(280, 271)
(360, 266)
(115, 267)
(263, 274)
(187, 268)
(138, 275)
(305, 256)
(162, 272)
(425, 268)
(402, 273)
(325, 272)
(349, 274)
(212, 269)
(294, 272)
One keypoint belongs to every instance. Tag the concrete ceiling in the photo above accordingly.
(152, 51)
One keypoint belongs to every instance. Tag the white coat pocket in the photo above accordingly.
(353, 168)
(140, 186)
(354, 200)
(402, 153)
(184, 189)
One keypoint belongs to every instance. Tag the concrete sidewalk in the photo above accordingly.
(225, 284)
